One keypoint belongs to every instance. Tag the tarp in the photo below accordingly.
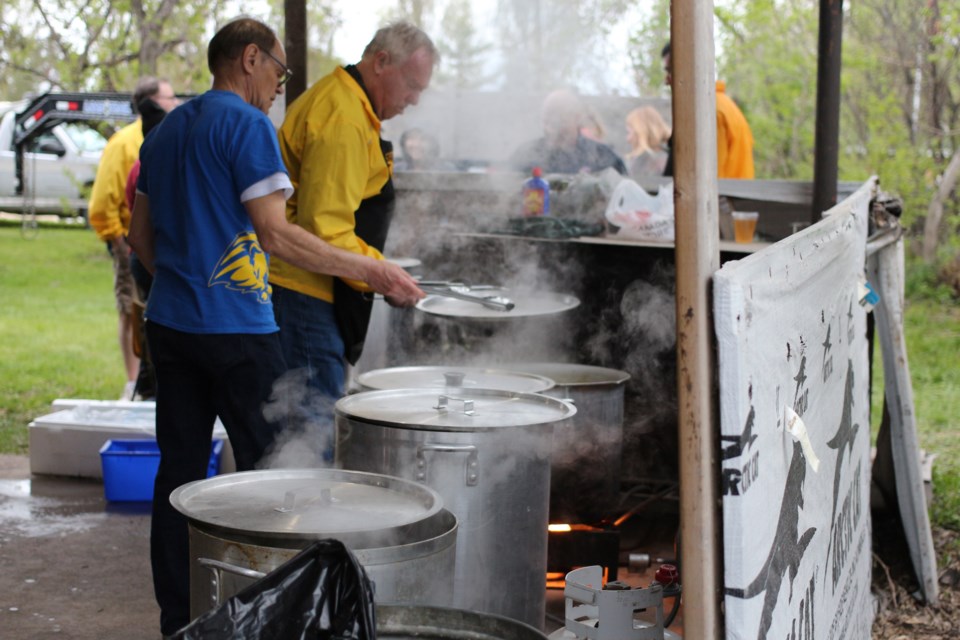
(795, 433)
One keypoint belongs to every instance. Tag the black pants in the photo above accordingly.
(200, 377)
(146, 378)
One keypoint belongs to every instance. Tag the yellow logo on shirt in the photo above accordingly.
(243, 268)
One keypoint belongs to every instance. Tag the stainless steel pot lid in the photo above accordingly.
(363, 510)
(466, 410)
(570, 374)
(442, 377)
(528, 303)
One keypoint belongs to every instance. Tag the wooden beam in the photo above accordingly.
(697, 258)
(827, 134)
(295, 44)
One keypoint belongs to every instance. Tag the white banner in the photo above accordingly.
(795, 434)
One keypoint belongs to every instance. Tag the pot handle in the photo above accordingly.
(473, 464)
(216, 568)
(444, 400)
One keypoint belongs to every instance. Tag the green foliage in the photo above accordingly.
(645, 46)
(768, 60)
(923, 283)
(945, 509)
(546, 44)
(105, 45)
(58, 326)
(463, 54)
(933, 342)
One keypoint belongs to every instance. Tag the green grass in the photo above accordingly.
(933, 350)
(58, 326)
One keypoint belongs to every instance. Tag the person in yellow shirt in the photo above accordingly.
(109, 214)
(734, 138)
(341, 173)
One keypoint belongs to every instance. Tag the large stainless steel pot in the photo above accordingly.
(452, 379)
(404, 622)
(585, 472)
(487, 453)
(244, 525)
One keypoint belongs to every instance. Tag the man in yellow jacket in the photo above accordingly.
(341, 172)
(109, 214)
(734, 137)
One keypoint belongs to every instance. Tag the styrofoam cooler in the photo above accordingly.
(67, 442)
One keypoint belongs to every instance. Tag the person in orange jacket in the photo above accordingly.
(734, 138)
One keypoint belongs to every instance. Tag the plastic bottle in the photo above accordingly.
(536, 195)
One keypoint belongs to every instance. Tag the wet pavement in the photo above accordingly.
(71, 564)
(74, 566)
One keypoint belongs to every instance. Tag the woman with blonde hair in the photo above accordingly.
(647, 133)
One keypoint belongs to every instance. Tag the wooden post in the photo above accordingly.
(827, 133)
(295, 44)
(697, 258)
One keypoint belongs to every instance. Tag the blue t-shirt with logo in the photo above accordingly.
(197, 167)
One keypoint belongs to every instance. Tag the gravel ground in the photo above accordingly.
(900, 616)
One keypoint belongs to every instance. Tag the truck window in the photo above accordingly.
(85, 137)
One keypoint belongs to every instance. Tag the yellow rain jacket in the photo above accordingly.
(330, 142)
(107, 211)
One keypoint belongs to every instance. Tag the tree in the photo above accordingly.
(417, 12)
(102, 45)
(463, 62)
(645, 45)
(545, 45)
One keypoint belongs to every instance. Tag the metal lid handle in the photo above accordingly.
(443, 401)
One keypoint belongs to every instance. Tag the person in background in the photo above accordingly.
(151, 113)
(647, 134)
(592, 126)
(421, 152)
(343, 192)
(209, 209)
(109, 215)
(734, 138)
(562, 148)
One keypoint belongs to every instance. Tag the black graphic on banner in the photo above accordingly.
(827, 367)
(788, 545)
(801, 394)
(842, 442)
(735, 478)
(850, 324)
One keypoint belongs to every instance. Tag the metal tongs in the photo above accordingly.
(463, 291)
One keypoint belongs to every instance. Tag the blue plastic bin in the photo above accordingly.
(130, 468)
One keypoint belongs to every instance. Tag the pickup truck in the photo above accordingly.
(59, 163)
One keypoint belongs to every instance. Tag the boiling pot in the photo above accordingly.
(405, 622)
(487, 453)
(453, 378)
(244, 525)
(585, 471)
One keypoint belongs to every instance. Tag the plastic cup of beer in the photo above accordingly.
(744, 225)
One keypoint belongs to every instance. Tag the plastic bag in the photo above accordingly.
(639, 215)
(323, 593)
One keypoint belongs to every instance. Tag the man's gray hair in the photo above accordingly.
(147, 87)
(400, 40)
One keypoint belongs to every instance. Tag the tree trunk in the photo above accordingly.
(931, 225)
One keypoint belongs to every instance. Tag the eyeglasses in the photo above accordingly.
(287, 72)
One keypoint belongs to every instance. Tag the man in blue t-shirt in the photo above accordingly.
(209, 209)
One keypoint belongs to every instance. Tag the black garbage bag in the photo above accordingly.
(323, 593)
